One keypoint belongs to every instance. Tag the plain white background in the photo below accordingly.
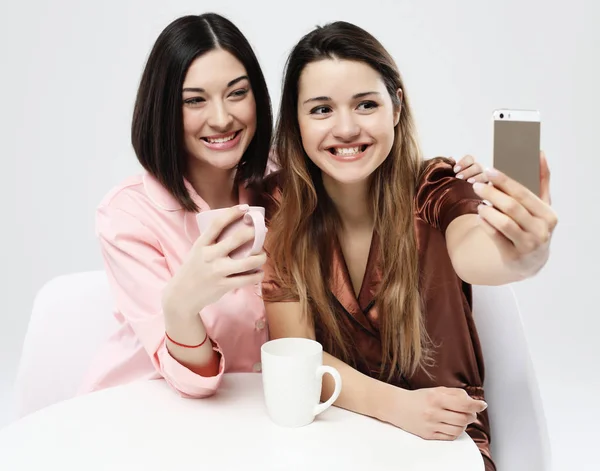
(69, 76)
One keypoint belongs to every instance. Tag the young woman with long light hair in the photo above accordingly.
(373, 250)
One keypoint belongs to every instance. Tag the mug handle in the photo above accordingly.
(258, 221)
(321, 370)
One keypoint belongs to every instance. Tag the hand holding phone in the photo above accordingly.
(520, 222)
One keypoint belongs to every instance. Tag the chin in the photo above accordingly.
(348, 178)
(228, 164)
(221, 162)
(350, 175)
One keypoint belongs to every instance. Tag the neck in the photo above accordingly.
(352, 203)
(214, 185)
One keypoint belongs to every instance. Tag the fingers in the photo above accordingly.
(449, 412)
(443, 436)
(507, 205)
(463, 163)
(524, 241)
(235, 273)
(450, 430)
(479, 177)
(240, 237)
(457, 419)
(544, 179)
(503, 225)
(469, 170)
(238, 281)
(534, 205)
(452, 424)
(221, 222)
(231, 267)
(489, 229)
(514, 208)
(473, 174)
(457, 400)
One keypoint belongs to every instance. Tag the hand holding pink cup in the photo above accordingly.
(254, 217)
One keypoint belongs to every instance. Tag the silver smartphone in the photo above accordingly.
(517, 146)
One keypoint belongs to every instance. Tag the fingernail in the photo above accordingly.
(483, 204)
(478, 186)
(492, 172)
(485, 405)
(244, 207)
(460, 176)
(471, 180)
(457, 168)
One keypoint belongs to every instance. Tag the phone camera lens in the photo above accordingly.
(501, 115)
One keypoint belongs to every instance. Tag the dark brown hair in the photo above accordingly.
(307, 222)
(157, 127)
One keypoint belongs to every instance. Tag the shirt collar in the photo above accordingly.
(164, 200)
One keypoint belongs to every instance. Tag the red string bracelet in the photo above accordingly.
(188, 346)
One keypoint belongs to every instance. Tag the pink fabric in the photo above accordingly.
(145, 236)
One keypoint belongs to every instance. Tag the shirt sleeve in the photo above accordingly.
(479, 431)
(272, 289)
(441, 197)
(275, 289)
(138, 272)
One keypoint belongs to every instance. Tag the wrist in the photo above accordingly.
(531, 265)
(180, 320)
(387, 400)
(174, 308)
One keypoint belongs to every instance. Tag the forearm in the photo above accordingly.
(480, 259)
(360, 393)
(190, 330)
(484, 262)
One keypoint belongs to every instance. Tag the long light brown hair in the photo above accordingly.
(303, 228)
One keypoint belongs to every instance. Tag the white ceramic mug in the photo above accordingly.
(292, 372)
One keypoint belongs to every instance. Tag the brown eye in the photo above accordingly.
(196, 101)
(239, 93)
(320, 110)
(367, 105)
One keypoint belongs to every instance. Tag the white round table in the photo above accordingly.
(146, 426)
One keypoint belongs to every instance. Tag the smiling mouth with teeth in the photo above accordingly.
(221, 140)
(348, 150)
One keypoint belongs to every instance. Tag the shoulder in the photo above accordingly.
(134, 206)
(435, 169)
(441, 197)
(139, 193)
(436, 178)
(271, 192)
(118, 196)
(272, 184)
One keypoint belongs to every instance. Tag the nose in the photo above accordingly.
(219, 117)
(345, 128)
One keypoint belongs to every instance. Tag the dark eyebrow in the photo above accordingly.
(317, 98)
(354, 97)
(230, 84)
(364, 94)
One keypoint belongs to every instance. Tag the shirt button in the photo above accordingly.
(257, 367)
(260, 324)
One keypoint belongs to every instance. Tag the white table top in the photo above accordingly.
(146, 426)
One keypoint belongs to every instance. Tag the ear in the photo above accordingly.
(398, 109)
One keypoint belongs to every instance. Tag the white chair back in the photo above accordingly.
(71, 318)
(518, 425)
